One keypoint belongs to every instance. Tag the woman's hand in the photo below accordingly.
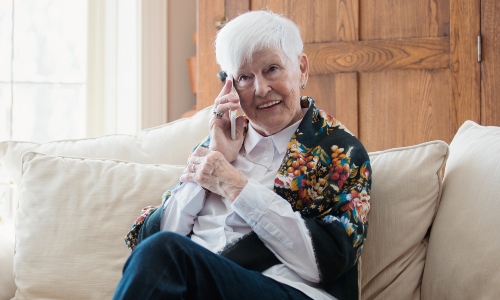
(220, 127)
(213, 172)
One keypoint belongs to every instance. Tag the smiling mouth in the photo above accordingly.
(269, 104)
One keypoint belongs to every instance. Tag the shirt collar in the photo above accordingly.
(280, 139)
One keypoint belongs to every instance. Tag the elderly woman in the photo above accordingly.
(280, 212)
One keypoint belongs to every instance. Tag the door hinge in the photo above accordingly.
(479, 48)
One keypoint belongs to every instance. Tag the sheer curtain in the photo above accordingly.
(43, 64)
(44, 82)
(70, 69)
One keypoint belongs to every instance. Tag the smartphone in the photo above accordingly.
(232, 113)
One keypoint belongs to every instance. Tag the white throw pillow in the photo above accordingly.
(7, 286)
(73, 215)
(463, 260)
(167, 144)
(406, 188)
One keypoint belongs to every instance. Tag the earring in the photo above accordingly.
(303, 86)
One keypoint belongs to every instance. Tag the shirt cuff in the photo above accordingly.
(186, 194)
(253, 200)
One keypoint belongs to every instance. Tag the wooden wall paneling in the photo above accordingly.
(314, 19)
(334, 93)
(235, 8)
(408, 100)
(347, 20)
(346, 84)
(379, 55)
(397, 72)
(346, 101)
(381, 19)
(317, 22)
(258, 4)
(465, 69)
(323, 88)
(407, 45)
(490, 63)
(208, 85)
(433, 109)
(274, 5)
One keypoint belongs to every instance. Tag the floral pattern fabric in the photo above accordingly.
(327, 178)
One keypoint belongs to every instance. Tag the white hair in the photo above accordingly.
(254, 31)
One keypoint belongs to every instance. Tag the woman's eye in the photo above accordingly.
(242, 81)
(273, 68)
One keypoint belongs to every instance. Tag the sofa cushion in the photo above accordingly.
(406, 188)
(463, 255)
(166, 144)
(72, 217)
(7, 286)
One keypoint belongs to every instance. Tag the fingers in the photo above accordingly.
(205, 160)
(198, 161)
(198, 154)
(198, 170)
(227, 100)
(190, 173)
(227, 103)
(192, 168)
(225, 89)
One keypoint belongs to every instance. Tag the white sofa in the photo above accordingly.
(428, 238)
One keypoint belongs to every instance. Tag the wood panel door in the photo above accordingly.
(490, 62)
(396, 73)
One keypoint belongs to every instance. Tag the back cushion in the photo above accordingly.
(463, 260)
(406, 188)
(167, 144)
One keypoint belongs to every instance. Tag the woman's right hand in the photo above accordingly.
(220, 127)
(212, 171)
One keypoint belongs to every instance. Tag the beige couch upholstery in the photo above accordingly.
(428, 238)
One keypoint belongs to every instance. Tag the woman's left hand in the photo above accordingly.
(212, 171)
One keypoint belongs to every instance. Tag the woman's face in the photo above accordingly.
(269, 90)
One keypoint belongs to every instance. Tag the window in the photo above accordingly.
(43, 86)
(71, 69)
(42, 74)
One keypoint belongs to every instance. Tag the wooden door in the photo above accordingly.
(490, 62)
(395, 72)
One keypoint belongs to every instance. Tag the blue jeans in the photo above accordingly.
(170, 266)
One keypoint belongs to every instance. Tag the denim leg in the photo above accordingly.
(170, 266)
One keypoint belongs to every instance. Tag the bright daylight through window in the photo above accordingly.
(42, 75)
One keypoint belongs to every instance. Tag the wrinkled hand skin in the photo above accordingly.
(220, 137)
(220, 128)
(212, 171)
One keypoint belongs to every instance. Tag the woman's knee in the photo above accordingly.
(161, 244)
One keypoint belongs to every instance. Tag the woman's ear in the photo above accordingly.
(304, 68)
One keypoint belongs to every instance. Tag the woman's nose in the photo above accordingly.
(262, 86)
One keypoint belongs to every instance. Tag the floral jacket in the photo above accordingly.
(326, 175)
